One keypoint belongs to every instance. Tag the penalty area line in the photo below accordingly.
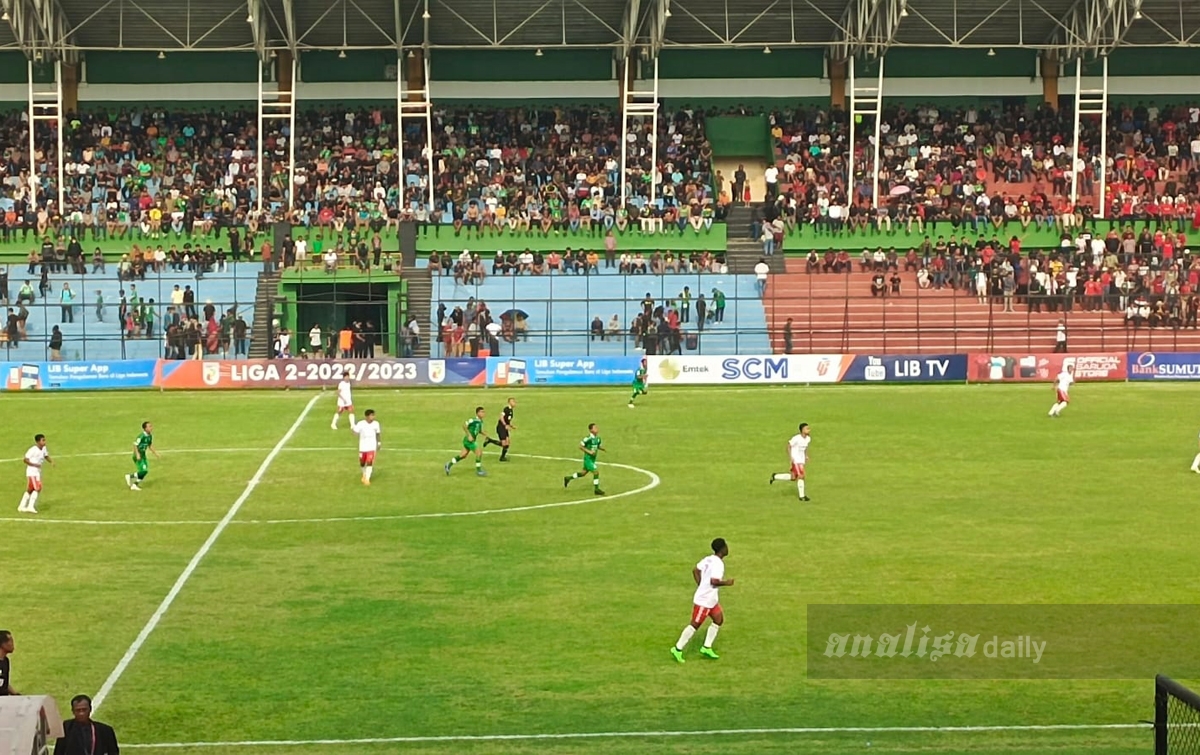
(190, 569)
(467, 738)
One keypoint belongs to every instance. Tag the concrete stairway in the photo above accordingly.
(264, 311)
(420, 295)
(742, 252)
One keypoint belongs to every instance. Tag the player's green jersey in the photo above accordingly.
(474, 427)
(143, 442)
(640, 376)
(591, 445)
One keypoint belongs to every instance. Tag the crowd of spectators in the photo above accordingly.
(983, 167)
(147, 174)
(1149, 278)
(471, 268)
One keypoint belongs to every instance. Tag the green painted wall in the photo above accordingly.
(521, 65)
(358, 65)
(739, 136)
(905, 63)
(1146, 61)
(13, 68)
(738, 64)
(176, 68)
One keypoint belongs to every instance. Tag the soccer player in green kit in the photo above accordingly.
(591, 446)
(472, 429)
(639, 383)
(143, 443)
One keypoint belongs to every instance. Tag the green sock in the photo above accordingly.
(631, 398)
(454, 461)
(595, 481)
(577, 475)
(478, 463)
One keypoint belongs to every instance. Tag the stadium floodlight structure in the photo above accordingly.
(45, 105)
(1090, 102)
(639, 109)
(866, 99)
(277, 102)
(416, 105)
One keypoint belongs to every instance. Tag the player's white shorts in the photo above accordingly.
(700, 613)
(33, 483)
(1062, 396)
(342, 408)
(797, 470)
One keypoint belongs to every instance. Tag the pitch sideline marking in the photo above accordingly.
(636, 735)
(654, 482)
(156, 617)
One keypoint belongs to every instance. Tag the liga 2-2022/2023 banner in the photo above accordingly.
(312, 373)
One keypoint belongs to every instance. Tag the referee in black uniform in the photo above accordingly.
(504, 426)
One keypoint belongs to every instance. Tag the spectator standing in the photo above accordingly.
(685, 305)
(56, 343)
(701, 312)
(314, 337)
(787, 336)
(99, 305)
(718, 298)
(82, 735)
(1060, 338)
(241, 343)
(4, 285)
(610, 250)
(67, 299)
(739, 184)
(6, 649)
(761, 270)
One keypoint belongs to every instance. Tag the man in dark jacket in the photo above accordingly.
(82, 735)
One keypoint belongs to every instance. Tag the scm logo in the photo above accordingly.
(754, 368)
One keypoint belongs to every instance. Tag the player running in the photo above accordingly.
(143, 443)
(368, 432)
(798, 454)
(504, 427)
(1196, 464)
(472, 429)
(35, 457)
(591, 446)
(345, 403)
(639, 383)
(1062, 387)
(710, 577)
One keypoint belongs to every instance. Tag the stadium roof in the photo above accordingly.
(1072, 27)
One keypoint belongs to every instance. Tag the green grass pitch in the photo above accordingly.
(381, 623)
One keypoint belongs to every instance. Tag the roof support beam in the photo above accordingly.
(256, 17)
(1093, 27)
(869, 27)
(40, 28)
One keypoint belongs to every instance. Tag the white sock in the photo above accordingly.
(335, 419)
(685, 637)
(1053, 409)
(712, 635)
(24, 502)
(781, 476)
(351, 420)
(1196, 462)
(32, 501)
(800, 487)
(367, 473)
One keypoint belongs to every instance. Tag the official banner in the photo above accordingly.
(764, 370)
(76, 376)
(1018, 367)
(314, 373)
(1163, 365)
(561, 370)
(907, 369)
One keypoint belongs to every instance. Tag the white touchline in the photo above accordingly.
(140, 640)
(636, 735)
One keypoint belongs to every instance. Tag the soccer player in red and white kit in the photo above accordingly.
(345, 403)
(710, 576)
(798, 455)
(368, 431)
(1062, 389)
(35, 457)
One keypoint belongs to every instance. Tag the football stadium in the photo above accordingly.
(619, 376)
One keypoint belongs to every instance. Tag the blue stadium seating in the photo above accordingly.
(564, 305)
(88, 338)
